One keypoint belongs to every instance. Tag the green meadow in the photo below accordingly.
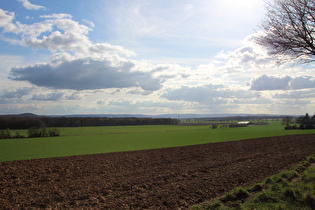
(105, 139)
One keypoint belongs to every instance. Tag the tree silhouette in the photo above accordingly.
(289, 29)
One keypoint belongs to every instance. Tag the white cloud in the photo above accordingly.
(302, 82)
(209, 94)
(265, 82)
(286, 82)
(27, 5)
(89, 23)
(26, 31)
(57, 16)
(61, 35)
(6, 17)
(70, 35)
(248, 58)
(100, 49)
(80, 64)
(58, 41)
(296, 94)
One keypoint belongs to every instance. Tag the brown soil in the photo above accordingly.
(172, 178)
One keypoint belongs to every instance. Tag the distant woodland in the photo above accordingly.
(23, 122)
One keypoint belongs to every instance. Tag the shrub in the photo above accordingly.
(53, 132)
(18, 135)
(33, 133)
(42, 132)
(5, 134)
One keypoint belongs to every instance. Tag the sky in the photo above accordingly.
(153, 57)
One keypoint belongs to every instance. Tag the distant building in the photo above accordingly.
(244, 123)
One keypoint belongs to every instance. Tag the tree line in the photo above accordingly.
(304, 122)
(31, 133)
(40, 122)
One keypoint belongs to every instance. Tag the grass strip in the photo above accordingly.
(291, 189)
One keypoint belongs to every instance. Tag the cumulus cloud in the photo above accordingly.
(26, 31)
(27, 5)
(70, 36)
(208, 94)
(302, 82)
(6, 17)
(87, 74)
(66, 34)
(265, 82)
(77, 63)
(246, 57)
(62, 34)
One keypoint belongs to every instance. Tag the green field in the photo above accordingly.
(92, 140)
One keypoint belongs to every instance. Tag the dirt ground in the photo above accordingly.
(172, 178)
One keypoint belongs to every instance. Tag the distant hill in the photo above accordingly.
(21, 115)
(28, 115)
(174, 116)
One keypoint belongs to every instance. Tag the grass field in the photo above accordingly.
(92, 140)
(292, 189)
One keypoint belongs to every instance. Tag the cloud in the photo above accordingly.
(24, 30)
(6, 17)
(15, 93)
(48, 96)
(101, 49)
(208, 94)
(89, 23)
(56, 96)
(87, 74)
(58, 41)
(77, 63)
(65, 34)
(57, 16)
(302, 82)
(249, 57)
(265, 82)
(27, 5)
(70, 36)
(61, 35)
(296, 94)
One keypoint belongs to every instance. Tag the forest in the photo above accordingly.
(26, 122)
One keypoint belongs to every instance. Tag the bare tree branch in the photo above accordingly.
(289, 29)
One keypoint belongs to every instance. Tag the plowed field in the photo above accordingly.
(172, 178)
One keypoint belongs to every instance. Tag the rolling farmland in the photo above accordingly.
(106, 139)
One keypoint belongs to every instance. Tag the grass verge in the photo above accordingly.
(292, 189)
